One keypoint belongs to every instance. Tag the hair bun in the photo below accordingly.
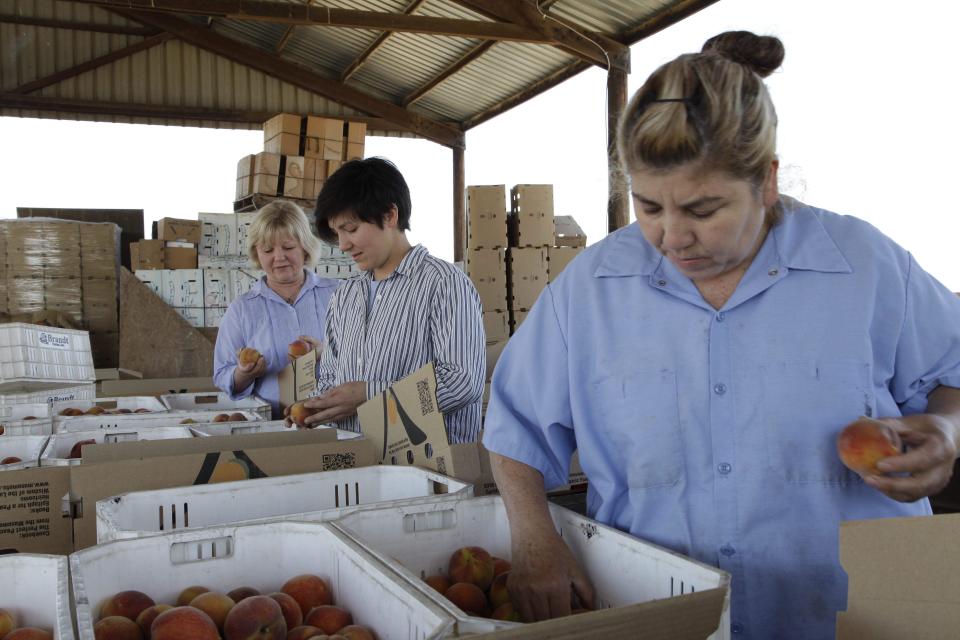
(763, 54)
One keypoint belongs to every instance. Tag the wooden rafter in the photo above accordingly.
(376, 44)
(89, 65)
(442, 133)
(470, 56)
(93, 27)
(301, 14)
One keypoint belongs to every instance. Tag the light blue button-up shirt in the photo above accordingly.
(263, 320)
(712, 432)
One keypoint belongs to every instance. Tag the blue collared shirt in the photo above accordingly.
(712, 432)
(263, 320)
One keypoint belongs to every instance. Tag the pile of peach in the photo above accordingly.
(10, 631)
(302, 608)
(99, 411)
(477, 583)
(9, 460)
(3, 428)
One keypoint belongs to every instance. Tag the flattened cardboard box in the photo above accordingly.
(904, 578)
(111, 469)
(174, 229)
(298, 380)
(405, 427)
(30, 511)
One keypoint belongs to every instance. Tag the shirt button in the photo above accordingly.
(772, 272)
(661, 283)
(719, 388)
(724, 468)
(736, 627)
(727, 550)
(721, 316)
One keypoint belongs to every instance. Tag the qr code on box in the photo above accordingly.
(334, 461)
(426, 398)
(442, 465)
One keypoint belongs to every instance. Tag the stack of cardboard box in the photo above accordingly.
(299, 153)
(530, 226)
(175, 246)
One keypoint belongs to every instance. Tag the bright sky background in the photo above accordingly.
(867, 99)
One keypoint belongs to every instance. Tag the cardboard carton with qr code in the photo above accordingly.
(405, 426)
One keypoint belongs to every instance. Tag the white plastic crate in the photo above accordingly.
(31, 419)
(260, 556)
(58, 448)
(319, 496)
(35, 588)
(35, 357)
(417, 540)
(271, 426)
(141, 420)
(21, 394)
(110, 404)
(27, 448)
(218, 401)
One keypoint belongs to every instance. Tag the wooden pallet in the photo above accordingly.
(256, 201)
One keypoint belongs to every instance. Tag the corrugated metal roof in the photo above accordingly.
(183, 80)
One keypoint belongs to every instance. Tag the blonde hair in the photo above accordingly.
(277, 219)
(710, 108)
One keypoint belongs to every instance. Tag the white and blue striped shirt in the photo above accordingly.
(426, 310)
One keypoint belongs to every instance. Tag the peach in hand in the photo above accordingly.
(248, 356)
(299, 413)
(864, 442)
(298, 348)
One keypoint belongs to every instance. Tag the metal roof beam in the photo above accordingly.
(472, 55)
(302, 14)
(376, 44)
(89, 65)
(94, 27)
(446, 134)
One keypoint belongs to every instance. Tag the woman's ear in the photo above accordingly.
(391, 218)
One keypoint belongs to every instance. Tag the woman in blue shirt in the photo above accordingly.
(287, 303)
(703, 361)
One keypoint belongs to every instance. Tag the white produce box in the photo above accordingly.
(35, 588)
(260, 556)
(142, 420)
(417, 541)
(25, 394)
(58, 448)
(35, 357)
(215, 401)
(13, 420)
(131, 403)
(27, 448)
(270, 426)
(319, 496)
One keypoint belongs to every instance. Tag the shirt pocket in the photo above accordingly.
(641, 426)
(804, 405)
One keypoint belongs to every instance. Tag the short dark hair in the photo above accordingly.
(367, 188)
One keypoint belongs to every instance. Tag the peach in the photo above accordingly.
(468, 597)
(124, 411)
(864, 442)
(308, 590)
(237, 417)
(247, 356)
(302, 632)
(500, 566)
(142, 410)
(10, 460)
(148, 615)
(26, 418)
(117, 628)
(498, 590)
(71, 411)
(2, 429)
(506, 611)
(439, 582)
(328, 617)
(255, 618)
(473, 565)
(7, 622)
(221, 417)
(189, 594)
(290, 608)
(188, 421)
(76, 450)
(96, 411)
(29, 633)
(299, 414)
(214, 604)
(128, 604)
(298, 348)
(183, 623)
(240, 593)
(357, 632)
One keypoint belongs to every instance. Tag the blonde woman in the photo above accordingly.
(287, 303)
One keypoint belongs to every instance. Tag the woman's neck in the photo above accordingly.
(288, 291)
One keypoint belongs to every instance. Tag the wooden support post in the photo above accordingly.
(618, 202)
(459, 204)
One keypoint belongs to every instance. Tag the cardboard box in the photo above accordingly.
(212, 316)
(353, 151)
(405, 427)
(289, 123)
(487, 269)
(156, 386)
(286, 144)
(121, 467)
(99, 250)
(147, 254)
(516, 319)
(182, 287)
(179, 258)
(526, 276)
(30, 510)
(324, 128)
(558, 258)
(567, 233)
(496, 325)
(176, 230)
(100, 305)
(298, 380)
(486, 217)
(903, 578)
(193, 315)
(267, 163)
(576, 480)
(356, 132)
(216, 288)
(530, 223)
(494, 349)
(245, 166)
